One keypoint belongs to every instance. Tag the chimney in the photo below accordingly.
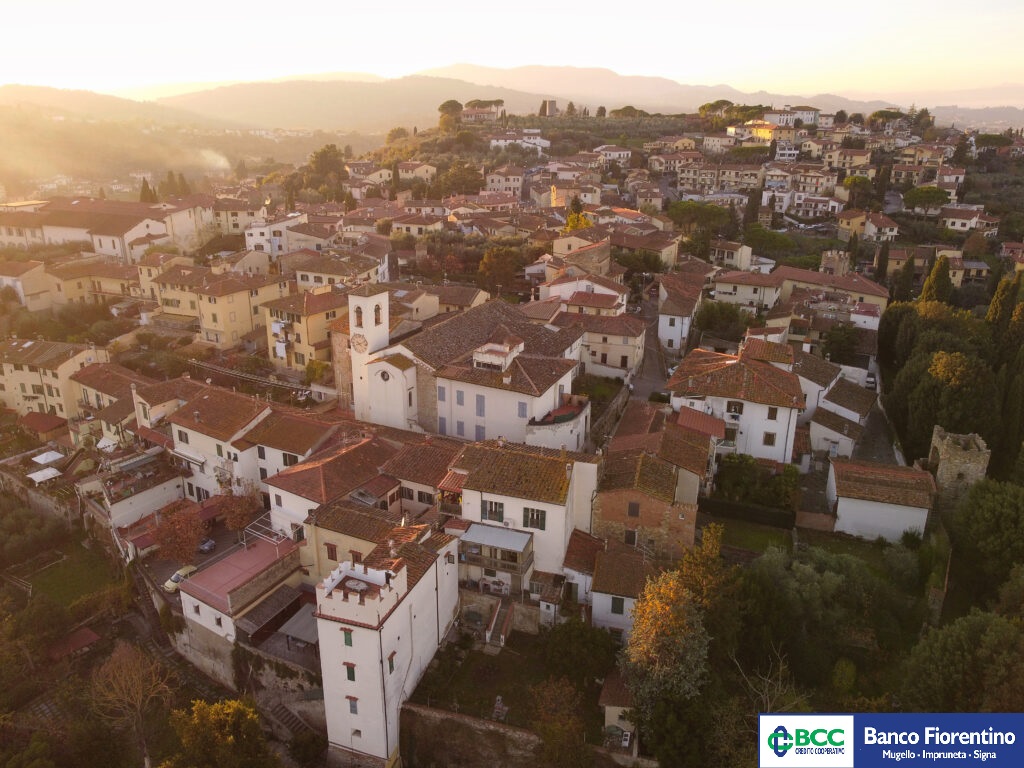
(391, 548)
(195, 415)
(562, 452)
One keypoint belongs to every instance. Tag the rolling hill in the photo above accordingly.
(343, 104)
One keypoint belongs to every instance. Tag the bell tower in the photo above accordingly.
(369, 332)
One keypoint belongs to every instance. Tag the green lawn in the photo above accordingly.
(754, 537)
(80, 573)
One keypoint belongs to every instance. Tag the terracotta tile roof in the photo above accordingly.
(415, 548)
(768, 351)
(836, 423)
(609, 325)
(814, 368)
(623, 574)
(528, 375)
(340, 265)
(638, 470)
(93, 268)
(853, 397)
(232, 282)
(425, 462)
(541, 310)
(884, 483)
(760, 279)
(117, 412)
(335, 472)
(516, 470)
(287, 432)
(41, 423)
(700, 422)
(639, 417)
(713, 374)
(218, 413)
(457, 336)
(308, 303)
(851, 283)
(801, 442)
(181, 389)
(598, 280)
(582, 551)
(356, 520)
(615, 692)
(17, 268)
(111, 379)
(187, 276)
(454, 295)
(45, 354)
(591, 299)
(685, 449)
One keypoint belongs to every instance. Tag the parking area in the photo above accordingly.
(160, 569)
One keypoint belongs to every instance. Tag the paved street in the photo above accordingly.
(651, 377)
(875, 443)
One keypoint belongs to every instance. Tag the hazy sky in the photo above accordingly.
(866, 48)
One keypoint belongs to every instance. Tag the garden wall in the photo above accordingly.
(816, 521)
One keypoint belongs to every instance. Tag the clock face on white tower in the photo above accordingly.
(359, 343)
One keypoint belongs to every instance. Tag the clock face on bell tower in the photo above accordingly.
(359, 343)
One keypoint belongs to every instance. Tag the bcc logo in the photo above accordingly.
(780, 741)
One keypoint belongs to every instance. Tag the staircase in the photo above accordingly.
(295, 724)
(502, 629)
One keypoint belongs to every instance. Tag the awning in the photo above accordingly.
(453, 481)
(279, 601)
(44, 474)
(302, 626)
(194, 458)
(48, 458)
(106, 444)
(493, 536)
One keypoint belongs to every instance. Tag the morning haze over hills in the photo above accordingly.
(47, 131)
(354, 101)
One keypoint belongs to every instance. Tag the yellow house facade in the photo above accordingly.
(36, 375)
(229, 305)
(298, 326)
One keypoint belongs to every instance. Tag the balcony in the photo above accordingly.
(519, 567)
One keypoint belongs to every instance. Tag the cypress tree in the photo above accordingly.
(146, 194)
(183, 186)
(903, 289)
(1000, 309)
(882, 270)
(938, 286)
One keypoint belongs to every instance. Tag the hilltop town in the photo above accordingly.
(550, 437)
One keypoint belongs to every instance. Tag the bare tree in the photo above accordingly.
(125, 686)
(771, 689)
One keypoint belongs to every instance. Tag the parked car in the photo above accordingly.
(870, 382)
(206, 546)
(171, 585)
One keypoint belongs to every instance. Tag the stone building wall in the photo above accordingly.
(957, 461)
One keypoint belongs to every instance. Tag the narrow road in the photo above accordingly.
(651, 377)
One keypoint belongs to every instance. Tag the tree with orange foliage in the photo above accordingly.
(179, 532)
